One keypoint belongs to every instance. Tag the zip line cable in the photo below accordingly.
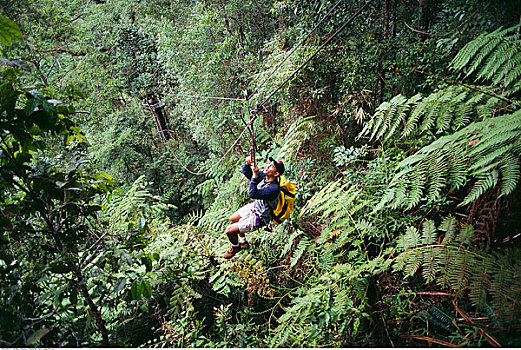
(318, 50)
(293, 50)
(254, 113)
(261, 105)
(217, 163)
(213, 97)
(275, 68)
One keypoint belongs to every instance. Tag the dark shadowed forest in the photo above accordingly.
(124, 126)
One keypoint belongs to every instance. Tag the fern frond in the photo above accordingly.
(295, 137)
(443, 111)
(430, 264)
(448, 225)
(480, 283)
(483, 184)
(402, 114)
(495, 56)
(493, 157)
(428, 233)
(466, 234)
(440, 318)
(459, 272)
(464, 56)
(510, 170)
(412, 123)
(489, 278)
(297, 254)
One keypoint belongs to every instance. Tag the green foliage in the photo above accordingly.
(454, 107)
(9, 31)
(455, 265)
(132, 208)
(443, 112)
(85, 264)
(297, 134)
(485, 151)
(48, 215)
(493, 57)
(228, 198)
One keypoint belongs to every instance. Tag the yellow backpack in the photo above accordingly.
(285, 203)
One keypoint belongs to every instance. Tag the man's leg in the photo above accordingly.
(245, 211)
(232, 232)
(241, 220)
(235, 217)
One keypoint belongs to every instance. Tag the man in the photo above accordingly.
(265, 190)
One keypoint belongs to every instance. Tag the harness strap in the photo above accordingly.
(287, 193)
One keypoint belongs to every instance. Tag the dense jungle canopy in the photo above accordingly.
(402, 132)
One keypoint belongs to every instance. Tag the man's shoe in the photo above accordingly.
(244, 245)
(231, 252)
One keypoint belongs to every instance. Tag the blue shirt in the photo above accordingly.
(265, 193)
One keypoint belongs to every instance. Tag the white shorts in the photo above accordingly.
(249, 221)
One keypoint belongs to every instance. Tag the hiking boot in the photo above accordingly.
(244, 245)
(231, 252)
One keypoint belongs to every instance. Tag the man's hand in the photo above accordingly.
(248, 160)
(255, 170)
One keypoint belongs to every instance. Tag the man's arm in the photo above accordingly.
(246, 170)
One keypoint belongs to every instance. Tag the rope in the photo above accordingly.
(218, 162)
(213, 97)
(318, 50)
(293, 50)
(253, 116)
(253, 113)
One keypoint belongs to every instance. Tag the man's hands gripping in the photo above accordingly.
(254, 168)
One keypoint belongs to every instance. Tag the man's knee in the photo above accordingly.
(235, 218)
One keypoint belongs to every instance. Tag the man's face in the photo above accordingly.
(271, 170)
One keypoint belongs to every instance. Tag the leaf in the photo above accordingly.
(9, 31)
(136, 290)
(147, 261)
(36, 336)
(120, 284)
(146, 289)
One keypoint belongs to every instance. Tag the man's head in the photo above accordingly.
(275, 168)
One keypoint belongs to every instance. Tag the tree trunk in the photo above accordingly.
(386, 20)
(425, 12)
(100, 322)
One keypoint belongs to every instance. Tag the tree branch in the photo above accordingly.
(64, 50)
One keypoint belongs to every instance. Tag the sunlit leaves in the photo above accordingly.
(9, 31)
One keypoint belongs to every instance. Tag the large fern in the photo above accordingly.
(488, 151)
(442, 112)
(454, 264)
(477, 146)
(134, 205)
(491, 58)
(294, 138)
(494, 57)
(338, 204)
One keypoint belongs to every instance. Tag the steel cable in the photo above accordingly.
(254, 114)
